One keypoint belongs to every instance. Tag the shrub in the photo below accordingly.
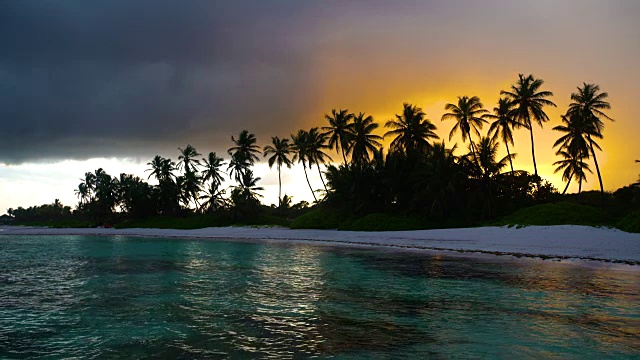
(630, 223)
(562, 213)
(317, 219)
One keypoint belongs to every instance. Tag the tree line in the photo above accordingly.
(417, 173)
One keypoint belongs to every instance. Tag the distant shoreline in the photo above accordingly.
(560, 242)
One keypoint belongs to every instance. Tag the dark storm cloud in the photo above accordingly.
(81, 79)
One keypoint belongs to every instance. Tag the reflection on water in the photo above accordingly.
(122, 297)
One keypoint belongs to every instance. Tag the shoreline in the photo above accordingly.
(558, 243)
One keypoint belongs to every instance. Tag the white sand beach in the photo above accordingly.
(561, 242)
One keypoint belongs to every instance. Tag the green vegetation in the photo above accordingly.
(630, 223)
(558, 214)
(415, 183)
(317, 219)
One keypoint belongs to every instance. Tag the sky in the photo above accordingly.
(89, 84)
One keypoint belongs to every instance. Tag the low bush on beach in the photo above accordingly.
(317, 219)
(630, 223)
(562, 213)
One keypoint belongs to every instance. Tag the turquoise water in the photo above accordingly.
(125, 297)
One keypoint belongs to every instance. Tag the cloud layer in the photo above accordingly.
(124, 78)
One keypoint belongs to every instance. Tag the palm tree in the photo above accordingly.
(82, 192)
(574, 147)
(316, 143)
(187, 159)
(412, 130)
(213, 198)
(238, 165)
(245, 145)
(590, 105)
(528, 102)
(249, 188)
(487, 152)
(571, 166)
(468, 114)
(361, 140)
(503, 124)
(161, 168)
(90, 182)
(212, 169)
(280, 150)
(338, 130)
(300, 147)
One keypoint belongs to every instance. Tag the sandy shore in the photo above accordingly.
(565, 241)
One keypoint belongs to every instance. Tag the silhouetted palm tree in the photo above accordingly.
(316, 143)
(212, 169)
(213, 198)
(280, 151)
(90, 183)
(571, 166)
(411, 130)
(249, 186)
(468, 114)
(528, 102)
(338, 130)
(238, 165)
(361, 139)
(245, 145)
(574, 146)
(82, 192)
(487, 152)
(161, 168)
(187, 160)
(191, 187)
(301, 149)
(590, 104)
(503, 124)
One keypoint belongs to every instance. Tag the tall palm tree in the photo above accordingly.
(301, 149)
(316, 143)
(280, 149)
(361, 140)
(529, 101)
(338, 130)
(245, 144)
(411, 130)
(571, 166)
(503, 124)
(469, 115)
(187, 160)
(212, 169)
(590, 104)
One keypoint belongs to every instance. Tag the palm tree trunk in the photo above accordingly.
(509, 155)
(473, 150)
(580, 185)
(595, 160)
(343, 155)
(279, 187)
(320, 172)
(567, 187)
(533, 151)
(304, 167)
